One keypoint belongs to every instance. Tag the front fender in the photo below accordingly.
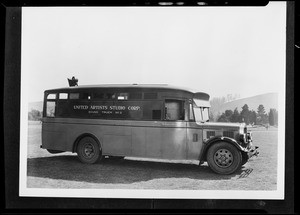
(213, 140)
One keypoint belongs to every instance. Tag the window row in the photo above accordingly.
(102, 96)
(136, 110)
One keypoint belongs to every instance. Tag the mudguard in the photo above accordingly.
(82, 136)
(215, 139)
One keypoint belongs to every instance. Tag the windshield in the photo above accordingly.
(201, 114)
(205, 114)
(201, 110)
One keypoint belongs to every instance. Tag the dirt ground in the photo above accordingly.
(45, 170)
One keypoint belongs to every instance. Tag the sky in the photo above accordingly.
(217, 50)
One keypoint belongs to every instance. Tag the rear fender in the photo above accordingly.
(82, 136)
(216, 139)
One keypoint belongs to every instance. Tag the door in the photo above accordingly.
(194, 136)
(169, 138)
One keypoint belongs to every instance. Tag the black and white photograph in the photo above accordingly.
(153, 102)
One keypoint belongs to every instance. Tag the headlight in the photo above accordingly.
(243, 138)
(241, 131)
(249, 137)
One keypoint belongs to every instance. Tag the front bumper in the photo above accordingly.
(253, 152)
(246, 141)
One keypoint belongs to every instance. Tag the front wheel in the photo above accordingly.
(245, 158)
(224, 158)
(88, 150)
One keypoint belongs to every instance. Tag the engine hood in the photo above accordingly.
(224, 125)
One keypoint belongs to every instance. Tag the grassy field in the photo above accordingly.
(64, 170)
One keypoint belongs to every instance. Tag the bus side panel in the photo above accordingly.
(174, 140)
(54, 136)
(138, 141)
(116, 140)
(195, 141)
(116, 145)
(154, 137)
(166, 141)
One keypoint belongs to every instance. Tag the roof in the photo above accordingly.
(134, 86)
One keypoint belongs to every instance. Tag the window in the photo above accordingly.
(174, 109)
(63, 96)
(74, 96)
(97, 96)
(201, 114)
(110, 95)
(85, 95)
(197, 112)
(123, 96)
(205, 114)
(201, 110)
(51, 96)
(152, 110)
(135, 96)
(50, 111)
(150, 95)
(191, 116)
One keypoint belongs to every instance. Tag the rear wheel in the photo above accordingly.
(224, 158)
(88, 150)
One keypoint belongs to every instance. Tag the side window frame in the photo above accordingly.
(191, 112)
(74, 93)
(182, 109)
(45, 114)
(123, 96)
(63, 98)
(82, 95)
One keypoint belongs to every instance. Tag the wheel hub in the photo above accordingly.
(89, 150)
(223, 158)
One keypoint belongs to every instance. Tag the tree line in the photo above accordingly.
(259, 117)
(35, 115)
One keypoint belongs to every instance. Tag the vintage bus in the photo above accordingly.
(148, 121)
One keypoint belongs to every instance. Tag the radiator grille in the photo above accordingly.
(228, 134)
(210, 134)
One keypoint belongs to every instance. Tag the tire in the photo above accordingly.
(88, 150)
(224, 158)
(244, 158)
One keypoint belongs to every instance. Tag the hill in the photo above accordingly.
(268, 100)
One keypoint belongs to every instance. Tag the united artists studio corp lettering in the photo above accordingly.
(106, 109)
